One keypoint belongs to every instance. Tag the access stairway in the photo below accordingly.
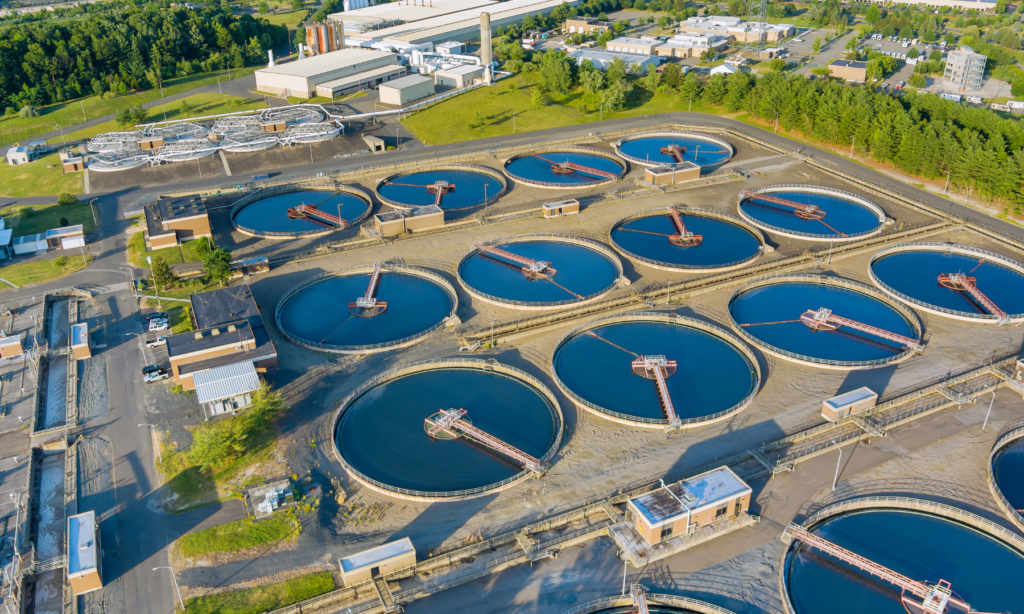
(638, 593)
(934, 598)
(657, 367)
(531, 269)
(564, 168)
(965, 283)
(387, 600)
(367, 306)
(317, 216)
(450, 422)
(824, 319)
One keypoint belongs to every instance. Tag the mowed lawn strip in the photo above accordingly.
(28, 273)
(45, 217)
(264, 598)
(240, 534)
(34, 179)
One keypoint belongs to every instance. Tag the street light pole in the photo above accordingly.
(156, 444)
(836, 479)
(62, 139)
(142, 346)
(989, 412)
(173, 579)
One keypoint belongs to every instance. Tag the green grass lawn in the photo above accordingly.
(291, 19)
(34, 179)
(70, 113)
(487, 112)
(240, 534)
(264, 598)
(181, 319)
(28, 273)
(172, 255)
(45, 217)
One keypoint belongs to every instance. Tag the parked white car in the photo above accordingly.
(156, 376)
(157, 342)
(156, 326)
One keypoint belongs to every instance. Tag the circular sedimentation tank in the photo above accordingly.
(656, 603)
(720, 242)
(570, 271)
(570, 168)
(273, 213)
(661, 148)
(931, 276)
(811, 212)
(982, 561)
(417, 302)
(380, 433)
(712, 377)
(460, 187)
(783, 315)
(1006, 474)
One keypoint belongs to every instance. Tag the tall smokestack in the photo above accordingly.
(341, 34)
(270, 53)
(302, 56)
(485, 38)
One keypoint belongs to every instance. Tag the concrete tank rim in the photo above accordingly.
(680, 133)
(441, 167)
(596, 246)
(957, 248)
(488, 364)
(624, 168)
(816, 189)
(1007, 439)
(313, 233)
(687, 603)
(841, 282)
(402, 269)
(665, 318)
(699, 212)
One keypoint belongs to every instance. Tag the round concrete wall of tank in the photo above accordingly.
(1006, 464)
(438, 172)
(719, 222)
(539, 174)
(275, 191)
(705, 333)
(1008, 278)
(617, 604)
(634, 148)
(831, 283)
(956, 518)
(467, 365)
(861, 217)
(606, 256)
(435, 322)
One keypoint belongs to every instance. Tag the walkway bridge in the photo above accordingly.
(451, 422)
(439, 188)
(657, 367)
(565, 168)
(801, 210)
(968, 284)
(678, 151)
(367, 306)
(531, 269)
(683, 237)
(317, 216)
(824, 320)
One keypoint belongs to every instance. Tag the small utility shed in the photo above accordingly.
(83, 553)
(460, 76)
(30, 244)
(80, 341)
(405, 90)
(852, 402)
(382, 560)
(678, 509)
(11, 346)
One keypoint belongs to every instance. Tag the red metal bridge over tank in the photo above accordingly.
(567, 167)
(531, 269)
(439, 188)
(676, 152)
(638, 595)
(917, 597)
(682, 237)
(965, 283)
(452, 423)
(367, 306)
(317, 216)
(823, 319)
(801, 210)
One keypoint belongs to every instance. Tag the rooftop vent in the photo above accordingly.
(231, 328)
(215, 332)
(198, 335)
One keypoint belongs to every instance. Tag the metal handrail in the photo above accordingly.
(945, 247)
(457, 363)
(1007, 439)
(490, 172)
(811, 235)
(754, 230)
(667, 318)
(693, 135)
(560, 238)
(402, 268)
(684, 603)
(269, 192)
(593, 151)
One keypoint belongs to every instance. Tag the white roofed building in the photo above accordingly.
(301, 78)
(737, 29)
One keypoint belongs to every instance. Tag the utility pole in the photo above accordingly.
(690, 108)
(59, 127)
(836, 479)
(219, 91)
(83, 110)
(989, 412)
(776, 121)
(92, 210)
(156, 444)
(513, 123)
(852, 143)
(947, 183)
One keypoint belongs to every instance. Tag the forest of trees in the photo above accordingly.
(45, 61)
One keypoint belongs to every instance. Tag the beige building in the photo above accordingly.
(405, 90)
(560, 208)
(83, 555)
(11, 346)
(851, 70)
(852, 402)
(585, 25)
(172, 221)
(337, 71)
(672, 173)
(691, 45)
(638, 46)
(80, 341)
(460, 76)
(737, 29)
(680, 508)
(380, 561)
(394, 223)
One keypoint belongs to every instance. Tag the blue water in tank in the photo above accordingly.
(319, 313)
(711, 376)
(789, 300)
(533, 168)
(470, 189)
(698, 151)
(916, 275)
(381, 435)
(724, 242)
(983, 572)
(580, 270)
(1010, 475)
(271, 214)
(842, 215)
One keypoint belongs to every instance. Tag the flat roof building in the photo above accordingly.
(965, 70)
(851, 70)
(585, 25)
(637, 46)
(301, 78)
(80, 341)
(458, 76)
(688, 45)
(172, 221)
(737, 29)
(394, 223)
(678, 509)
(83, 555)
(405, 90)
(602, 60)
(382, 560)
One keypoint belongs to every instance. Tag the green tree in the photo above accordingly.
(935, 56)
(777, 64)
(652, 81)
(907, 32)
(263, 7)
(61, 261)
(67, 200)
(616, 71)
(817, 44)
(715, 90)
(537, 98)
(217, 265)
(690, 88)
(709, 55)
(917, 80)
(557, 72)
(913, 53)
(735, 8)
(215, 443)
(203, 247)
(873, 15)
(671, 76)
(298, 4)
(162, 274)
(949, 38)
(616, 94)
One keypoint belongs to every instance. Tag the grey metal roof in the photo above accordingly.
(82, 542)
(227, 381)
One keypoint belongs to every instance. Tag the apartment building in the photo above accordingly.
(965, 70)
